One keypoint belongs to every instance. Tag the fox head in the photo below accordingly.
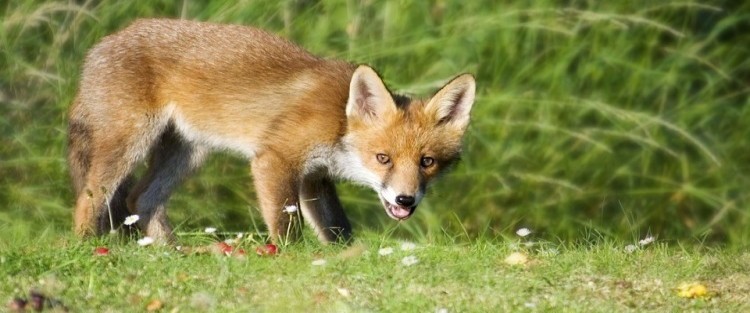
(397, 145)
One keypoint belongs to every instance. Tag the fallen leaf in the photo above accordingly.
(36, 300)
(218, 248)
(344, 292)
(353, 252)
(203, 301)
(692, 290)
(17, 305)
(198, 249)
(154, 305)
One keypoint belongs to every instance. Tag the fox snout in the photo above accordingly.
(405, 200)
(400, 205)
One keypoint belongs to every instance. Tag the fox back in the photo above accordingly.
(171, 91)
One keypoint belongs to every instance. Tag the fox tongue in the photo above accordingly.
(399, 211)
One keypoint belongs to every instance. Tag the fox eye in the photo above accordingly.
(427, 162)
(383, 158)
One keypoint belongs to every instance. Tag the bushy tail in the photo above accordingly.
(79, 153)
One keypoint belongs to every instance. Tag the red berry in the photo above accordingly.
(268, 249)
(101, 251)
(37, 300)
(17, 305)
(224, 248)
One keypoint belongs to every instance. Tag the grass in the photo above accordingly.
(460, 278)
(596, 124)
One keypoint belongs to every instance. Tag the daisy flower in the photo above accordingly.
(145, 241)
(523, 232)
(646, 241)
(409, 260)
(385, 251)
(408, 246)
(130, 220)
(290, 209)
(210, 230)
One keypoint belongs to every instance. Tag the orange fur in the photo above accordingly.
(174, 90)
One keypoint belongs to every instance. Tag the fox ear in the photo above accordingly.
(368, 96)
(452, 103)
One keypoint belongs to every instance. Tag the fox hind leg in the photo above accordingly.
(172, 159)
(102, 153)
(102, 181)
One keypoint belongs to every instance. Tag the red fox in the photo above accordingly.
(172, 91)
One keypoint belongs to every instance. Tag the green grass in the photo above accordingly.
(461, 278)
(596, 124)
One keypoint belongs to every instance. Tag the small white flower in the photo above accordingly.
(210, 230)
(408, 246)
(230, 241)
(239, 235)
(409, 260)
(290, 209)
(646, 241)
(630, 248)
(145, 241)
(319, 262)
(130, 220)
(385, 251)
(523, 232)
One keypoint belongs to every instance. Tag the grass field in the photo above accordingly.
(454, 277)
(596, 125)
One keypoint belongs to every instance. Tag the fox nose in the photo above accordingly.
(405, 200)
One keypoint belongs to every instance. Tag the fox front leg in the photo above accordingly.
(322, 209)
(277, 186)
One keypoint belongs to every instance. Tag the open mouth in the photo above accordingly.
(398, 212)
